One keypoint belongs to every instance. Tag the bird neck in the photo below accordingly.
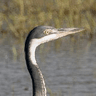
(39, 88)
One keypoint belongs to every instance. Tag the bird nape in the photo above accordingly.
(37, 36)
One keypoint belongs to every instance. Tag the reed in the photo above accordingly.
(20, 16)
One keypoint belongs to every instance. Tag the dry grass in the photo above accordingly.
(19, 16)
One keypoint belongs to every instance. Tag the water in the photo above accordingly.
(69, 71)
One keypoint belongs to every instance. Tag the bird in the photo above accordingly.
(37, 36)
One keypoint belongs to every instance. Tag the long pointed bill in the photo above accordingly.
(58, 33)
(66, 31)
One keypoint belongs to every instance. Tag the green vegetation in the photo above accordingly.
(20, 16)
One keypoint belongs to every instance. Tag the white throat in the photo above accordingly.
(32, 48)
(35, 42)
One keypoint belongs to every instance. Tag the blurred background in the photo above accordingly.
(68, 64)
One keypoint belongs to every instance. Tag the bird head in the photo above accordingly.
(43, 34)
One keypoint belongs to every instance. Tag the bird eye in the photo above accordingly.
(46, 32)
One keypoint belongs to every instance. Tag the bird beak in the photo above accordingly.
(67, 31)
